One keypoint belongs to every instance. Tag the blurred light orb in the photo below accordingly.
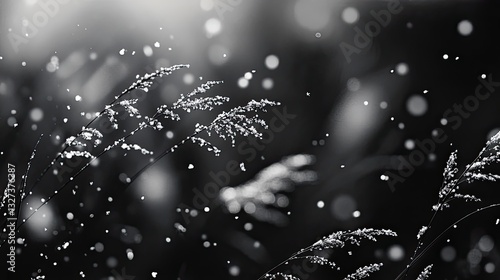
(213, 27)
(383, 105)
(353, 84)
(465, 28)
(267, 83)
(416, 105)
(36, 114)
(272, 62)
(313, 14)
(350, 15)
(343, 206)
(320, 204)
(234, 270)
(409, 144)
(243, 83)
(402, 69)
(248, 76)
(489, 267)
(448, 254)
(148, 51)
(396, 253)
(486, 244)
(188, 78)
(474, 257)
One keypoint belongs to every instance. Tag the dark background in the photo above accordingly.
(315, 82)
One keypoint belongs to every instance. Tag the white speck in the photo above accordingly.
(65, 120)
(142, 197)
(23, 63)
(68, 107)
(445, 56)
(154, 274)
(122, 51)
(483, 76)
(206, 209)
(356, 214)
(190, 166)
(308, 94)
(456, 58)
(320, 204)
(242, 167)
(168, 239)
(425, 91)
(317, 35)
(497, 222)
(157, 44)
(69, 216)
(384, 177)
(78, 98)
(342, 166)
(365, 103)
(392, 71)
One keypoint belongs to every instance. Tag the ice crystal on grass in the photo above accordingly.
(136, 147)
(267, 189)
(425, 273)
(473, 172)
(146, 81)
(280, 276)
(354, 237)
(337, 239)
(422, 231)
(228, 125)
(241, 120)
(364, 272)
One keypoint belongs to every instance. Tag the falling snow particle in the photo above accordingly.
(190, 166)
(365, 103)
(497, 222)
(445, 56)
(154, 274)
(320, 204)
(157, 44)
(384, 177)
(242, 167)
(78, 98)
(356, 214)
(122, 51)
